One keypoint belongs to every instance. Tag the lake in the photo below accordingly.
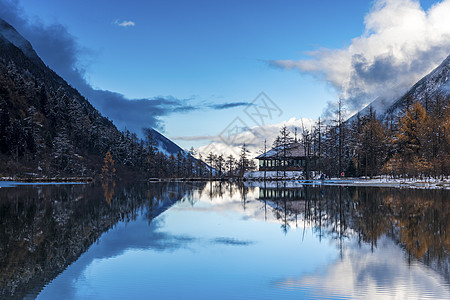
(212, 240)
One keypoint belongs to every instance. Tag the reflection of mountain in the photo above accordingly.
(46, 228)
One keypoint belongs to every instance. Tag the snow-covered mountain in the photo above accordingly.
(165, 145)
(436, 82)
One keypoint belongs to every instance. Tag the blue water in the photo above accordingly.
(223, 241)
(216, 249)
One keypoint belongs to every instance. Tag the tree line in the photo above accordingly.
(414, 144)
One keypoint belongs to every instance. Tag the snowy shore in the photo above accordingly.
(295, 179)
(33, 179)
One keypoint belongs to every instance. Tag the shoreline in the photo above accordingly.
(395, 183)
(416, 183)
(294, 178)
(48, 179)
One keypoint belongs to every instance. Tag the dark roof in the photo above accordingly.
(293, 150)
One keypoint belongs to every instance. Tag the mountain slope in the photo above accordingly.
(45, 124)
(47, 127)
(9, 34)
(165, 145)
(434, 84)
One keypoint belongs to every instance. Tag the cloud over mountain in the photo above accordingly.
(401, 43)
(61, 52)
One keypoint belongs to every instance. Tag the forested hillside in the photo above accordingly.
(413, 143)
(47, 128)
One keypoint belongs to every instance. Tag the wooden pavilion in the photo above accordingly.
(291, 157)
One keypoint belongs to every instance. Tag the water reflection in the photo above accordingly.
(362, 273)
(46, 228)
(383, 238)
(417, 220)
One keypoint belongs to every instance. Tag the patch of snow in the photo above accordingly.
(273, 175)
(296, 179)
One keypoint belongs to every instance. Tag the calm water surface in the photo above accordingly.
(223, 241)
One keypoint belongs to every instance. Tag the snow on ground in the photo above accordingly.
(16, 183)
(273, 175)
(424, 183)
(296, 179)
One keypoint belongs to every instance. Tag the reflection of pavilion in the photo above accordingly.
(291, 194)
(288, 203)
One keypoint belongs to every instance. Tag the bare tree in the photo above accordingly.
(243, 160)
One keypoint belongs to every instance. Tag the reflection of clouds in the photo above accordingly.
(232, 241)
(136, 235)
(254, 210)
(250, 209)
(140, 235)
(362, 274)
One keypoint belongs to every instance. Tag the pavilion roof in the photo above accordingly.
(293, 150)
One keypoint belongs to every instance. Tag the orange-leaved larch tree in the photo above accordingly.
(108, 169)
(412, 139)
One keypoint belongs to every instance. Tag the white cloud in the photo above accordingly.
(401, 44)
(125, 23)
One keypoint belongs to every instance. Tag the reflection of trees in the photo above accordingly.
(243, 191)
(108, 189)
(371, 217)
(415, 231)
(44, 229)
(417, 219)
(219, 190)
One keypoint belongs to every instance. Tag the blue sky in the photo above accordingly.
(200, 54)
